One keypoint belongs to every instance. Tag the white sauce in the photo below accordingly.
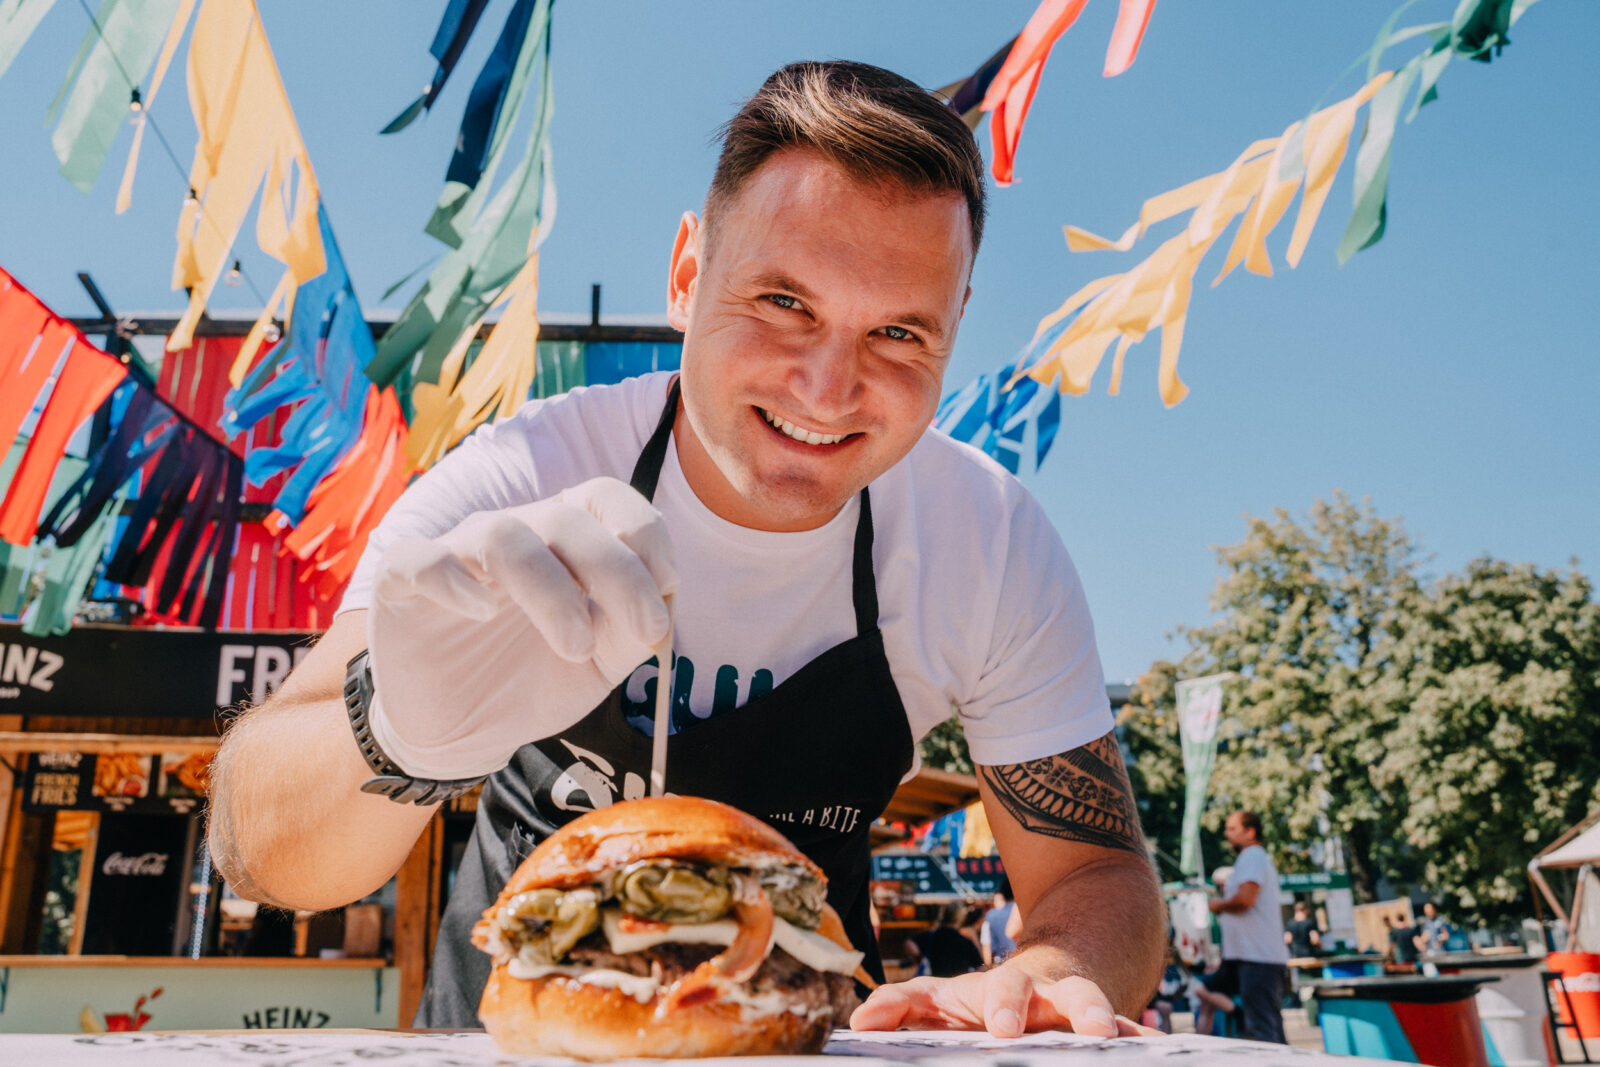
(640, 989)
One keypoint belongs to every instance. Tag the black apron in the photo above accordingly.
(818, 757)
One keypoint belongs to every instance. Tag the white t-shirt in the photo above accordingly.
(1255, 935)
(979, 604)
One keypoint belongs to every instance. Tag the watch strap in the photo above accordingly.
(390, 780)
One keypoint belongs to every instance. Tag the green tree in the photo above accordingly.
(1496, 750)
(1304, 610)
(945, 748)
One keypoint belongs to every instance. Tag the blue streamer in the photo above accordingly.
(319, 365)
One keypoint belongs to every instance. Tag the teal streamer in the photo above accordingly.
(18, 20)
(1372, 164)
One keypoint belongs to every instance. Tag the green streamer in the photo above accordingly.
(18, 19)
(458, 205)
(466, 282)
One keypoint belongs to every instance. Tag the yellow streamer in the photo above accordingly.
(175, 34)
(248, 141)
(493, 387)
(1155, 294)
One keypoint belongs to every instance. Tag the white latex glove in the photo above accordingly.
(513, 626)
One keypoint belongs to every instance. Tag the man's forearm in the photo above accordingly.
(287, 823)
(1104, 923)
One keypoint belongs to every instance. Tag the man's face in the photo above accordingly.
(1236, 834)
(1429, 911)
(816, 337)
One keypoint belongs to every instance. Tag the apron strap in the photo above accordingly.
(647, 471)
(863, 584)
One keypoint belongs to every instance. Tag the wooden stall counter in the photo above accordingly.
(120, 994)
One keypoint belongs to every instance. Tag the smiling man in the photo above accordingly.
(839, 579)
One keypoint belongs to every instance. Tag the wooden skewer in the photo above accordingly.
(658, 747)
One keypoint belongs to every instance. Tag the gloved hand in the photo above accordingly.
(513, 626)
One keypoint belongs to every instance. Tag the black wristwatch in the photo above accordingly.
(391, 781)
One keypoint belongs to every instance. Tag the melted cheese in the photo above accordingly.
(811, 949)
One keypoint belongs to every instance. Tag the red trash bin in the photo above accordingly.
(1580, 974)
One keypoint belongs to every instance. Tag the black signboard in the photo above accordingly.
(171, 784)
(919, 873)
(983, 873)
(143, 672)
(135, 890)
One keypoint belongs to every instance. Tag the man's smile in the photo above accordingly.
(800, 433)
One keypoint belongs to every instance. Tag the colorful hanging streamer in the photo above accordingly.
(346, 506)
(318, 370)
(455, 29)
(121, 43)
(1259, 186)
(1257, 189)
(1010, 90)
(18, 20)
(49, 368)
(998, 420)
(425, 353)
(169, 48)
(247, 136)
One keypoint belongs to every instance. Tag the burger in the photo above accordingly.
(666, 927)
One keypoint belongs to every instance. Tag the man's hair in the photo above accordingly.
(873, 124)
(1004, 888)
(1301, 905)
(1251, 821)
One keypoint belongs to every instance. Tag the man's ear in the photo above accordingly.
(683, 273)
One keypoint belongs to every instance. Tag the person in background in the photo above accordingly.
(994, 940)
(944, 949)
(1176, 986)
(1403, 938)
(971, 922)
(1303, 936)
(1254, 956)
(1433, 933)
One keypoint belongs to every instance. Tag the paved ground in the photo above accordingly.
(1301, 1034)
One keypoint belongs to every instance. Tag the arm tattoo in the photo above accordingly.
(1081, 795)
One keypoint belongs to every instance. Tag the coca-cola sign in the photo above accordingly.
(150, 864)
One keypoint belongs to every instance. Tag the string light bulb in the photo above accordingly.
(192, 198)
(235, 276)
(136, 102)
(272, 333)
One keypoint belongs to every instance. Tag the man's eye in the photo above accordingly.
(898, 333)
(783, 300)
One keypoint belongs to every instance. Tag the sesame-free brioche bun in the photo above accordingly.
(558, 1017)
(686, 828)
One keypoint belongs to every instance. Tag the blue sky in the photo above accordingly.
(1448, 373)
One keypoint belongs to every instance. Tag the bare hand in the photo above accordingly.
(1005, 1001)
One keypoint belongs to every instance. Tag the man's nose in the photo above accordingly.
(827, 379)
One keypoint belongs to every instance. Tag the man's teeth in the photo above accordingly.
(789, 429)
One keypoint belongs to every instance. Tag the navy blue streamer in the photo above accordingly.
(487, 97)
(455, 29)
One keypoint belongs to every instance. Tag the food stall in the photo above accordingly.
(1577, 992)
(111, 915)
